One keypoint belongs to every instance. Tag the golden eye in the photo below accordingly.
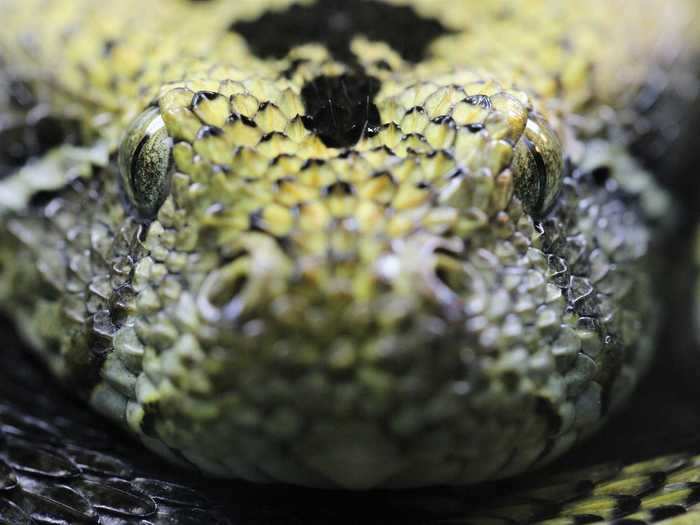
(538, 167)
(145, 163)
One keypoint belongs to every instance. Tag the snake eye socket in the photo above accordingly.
(538, 167)
(145, 163)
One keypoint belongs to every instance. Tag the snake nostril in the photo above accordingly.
(220, 295)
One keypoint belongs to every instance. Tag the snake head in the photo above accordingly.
(440, 302)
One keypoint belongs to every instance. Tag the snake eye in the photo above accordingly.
(145, 163)
(538, 167)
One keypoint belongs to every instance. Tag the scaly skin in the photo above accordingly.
(454, 286)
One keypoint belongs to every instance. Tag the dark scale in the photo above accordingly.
(246, 121)
(256, 221)
(203, 133)
(267, 137)
(665, 513)
(338, 188)
(340, 110)
(108, 47)
(201, 96)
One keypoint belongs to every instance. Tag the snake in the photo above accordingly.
(352, 245)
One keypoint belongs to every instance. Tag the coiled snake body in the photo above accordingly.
(349, 244)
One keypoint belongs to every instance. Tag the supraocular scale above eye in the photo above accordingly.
(145, 163)
(538, 167)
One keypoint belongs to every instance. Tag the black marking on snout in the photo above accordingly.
(341, 110)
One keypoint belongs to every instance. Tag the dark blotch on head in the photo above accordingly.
(334, 23)
(340, 110)
(20, 142)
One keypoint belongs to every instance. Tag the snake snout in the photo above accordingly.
(262, 284)
(369, 370)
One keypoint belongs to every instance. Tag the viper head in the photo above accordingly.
(440, 276)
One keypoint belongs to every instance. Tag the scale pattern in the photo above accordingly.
(413, 266)
(78, 469)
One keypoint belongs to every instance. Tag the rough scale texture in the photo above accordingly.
(77, 469)
(360, 264)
